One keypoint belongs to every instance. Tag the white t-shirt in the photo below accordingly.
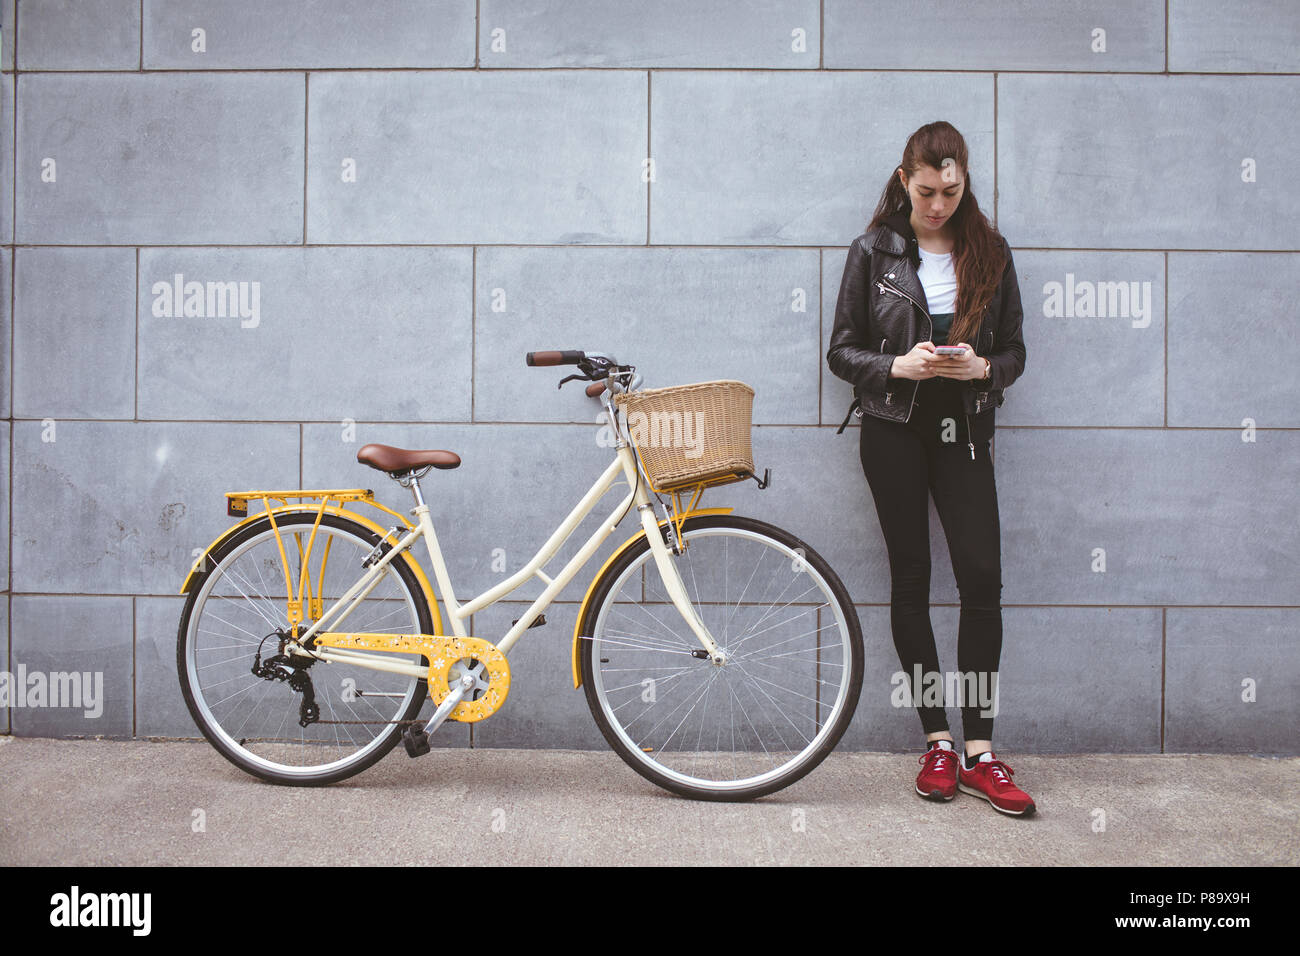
(939, 280)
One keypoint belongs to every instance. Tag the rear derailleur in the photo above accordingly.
(281, 667)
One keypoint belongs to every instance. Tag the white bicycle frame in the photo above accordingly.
(639, 495)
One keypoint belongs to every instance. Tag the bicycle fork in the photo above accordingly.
(672, 580)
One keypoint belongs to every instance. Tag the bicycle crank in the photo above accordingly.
(451, 659)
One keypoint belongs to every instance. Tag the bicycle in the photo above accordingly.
(721, 656)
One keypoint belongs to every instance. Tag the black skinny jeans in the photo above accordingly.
(904, 464)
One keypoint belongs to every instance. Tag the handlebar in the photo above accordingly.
(601, 370)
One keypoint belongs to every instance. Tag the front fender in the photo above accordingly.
(582, 609)
(333, 510)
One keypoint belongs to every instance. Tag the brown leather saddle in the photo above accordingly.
(397, 461)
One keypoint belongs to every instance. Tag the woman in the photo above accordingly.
(930, 270)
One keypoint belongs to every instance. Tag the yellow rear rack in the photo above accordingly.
(237, 506)
(237, 501)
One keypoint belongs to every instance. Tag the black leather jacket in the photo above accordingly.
(882, 312)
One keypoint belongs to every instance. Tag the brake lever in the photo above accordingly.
(570, 378)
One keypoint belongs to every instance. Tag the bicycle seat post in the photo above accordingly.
(412, 480)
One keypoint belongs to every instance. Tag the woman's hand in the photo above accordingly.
(916, 364)
(921, 363)
(966, 366)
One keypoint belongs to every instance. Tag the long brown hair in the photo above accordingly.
(977, 247)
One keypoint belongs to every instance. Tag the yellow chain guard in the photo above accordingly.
(442, 653)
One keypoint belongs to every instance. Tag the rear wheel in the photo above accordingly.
(763, 719)
(232, 618)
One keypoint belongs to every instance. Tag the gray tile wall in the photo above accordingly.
(348, 195)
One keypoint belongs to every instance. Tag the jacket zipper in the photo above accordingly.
(890, 287)
(983, 397)
(889, 392)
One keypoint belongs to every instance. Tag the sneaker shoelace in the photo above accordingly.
(937, 755)
(1001, 773)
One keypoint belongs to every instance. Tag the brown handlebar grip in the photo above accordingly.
(595, 388)
(553, 357)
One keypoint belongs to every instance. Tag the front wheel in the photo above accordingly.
(773, 710)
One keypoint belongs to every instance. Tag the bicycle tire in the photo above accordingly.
(607, 651)
(256, 611)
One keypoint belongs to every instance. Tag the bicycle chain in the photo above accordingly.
(297, 740)
(424, 720)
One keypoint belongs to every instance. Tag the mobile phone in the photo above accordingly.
(947, 351)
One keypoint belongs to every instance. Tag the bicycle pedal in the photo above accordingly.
(541, 619)
(416, 742)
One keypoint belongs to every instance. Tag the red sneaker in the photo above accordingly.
(991, 779)
(938, 777)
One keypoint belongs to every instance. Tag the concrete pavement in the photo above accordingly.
(94, 802)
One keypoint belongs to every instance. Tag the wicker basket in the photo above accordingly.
(688, 434)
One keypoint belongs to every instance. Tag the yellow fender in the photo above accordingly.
(582, 609)
(333, 510)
